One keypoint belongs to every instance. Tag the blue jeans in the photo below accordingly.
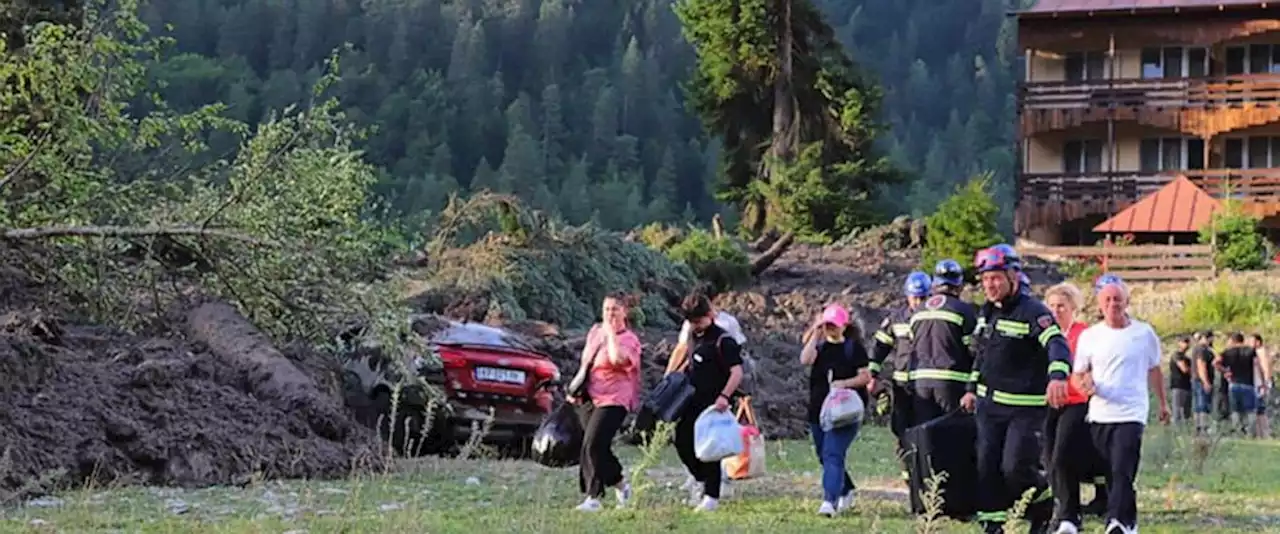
(1203, 402)
(1244, 399)
(831, 448)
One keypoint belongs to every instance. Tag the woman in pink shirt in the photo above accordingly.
(611, 369)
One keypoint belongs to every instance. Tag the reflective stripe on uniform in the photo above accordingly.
(939, 374)
(1059, 366)
(884, 337)
(938, 315)
(1048, 334)
(901, 376)
(1013, 328)
(1011, 399)
(874, 367)
(992, 517)
(901, 329)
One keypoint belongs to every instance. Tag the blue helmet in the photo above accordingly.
(997, 258)
(1105, 279)
(917, 284)
(948, 272)
(1010, 254)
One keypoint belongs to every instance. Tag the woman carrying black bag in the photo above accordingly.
(609, 378)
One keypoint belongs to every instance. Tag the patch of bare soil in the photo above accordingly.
(87, 404)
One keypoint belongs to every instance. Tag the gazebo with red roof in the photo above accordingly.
(1175, 210)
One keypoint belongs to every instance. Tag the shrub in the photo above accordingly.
(658, 236)
(1239, 246)
(719, 262)
(963, 224)
(1227, 305)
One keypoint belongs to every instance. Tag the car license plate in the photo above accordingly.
(493, 374)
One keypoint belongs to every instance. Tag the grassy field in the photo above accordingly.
(1238, 490)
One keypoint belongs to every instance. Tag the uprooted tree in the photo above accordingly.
(100, 200)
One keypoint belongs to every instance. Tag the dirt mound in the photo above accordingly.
(85, 404)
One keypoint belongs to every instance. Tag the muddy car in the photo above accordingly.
(482, 378)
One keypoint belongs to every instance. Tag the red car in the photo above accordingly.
(493, 382)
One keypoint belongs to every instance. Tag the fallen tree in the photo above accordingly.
(106, 221)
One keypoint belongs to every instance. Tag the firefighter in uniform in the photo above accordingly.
(892, 354)
(941, 332)
(1023, 364)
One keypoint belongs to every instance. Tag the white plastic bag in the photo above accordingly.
(716, 435)
(841, 408)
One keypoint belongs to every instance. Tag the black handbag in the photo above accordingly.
(668, 399)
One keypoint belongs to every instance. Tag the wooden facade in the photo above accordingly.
(1116, 104)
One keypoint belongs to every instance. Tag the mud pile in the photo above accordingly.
(87, 404)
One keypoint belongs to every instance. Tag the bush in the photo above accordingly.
(719, 262)
(963, 224)
(1226, 305)
(1240, 245)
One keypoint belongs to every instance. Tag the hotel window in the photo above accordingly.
(1082, 156)
(1257, 152)
(1157, 154)
(1081, 66)
(1253, 59)
(1175, 62)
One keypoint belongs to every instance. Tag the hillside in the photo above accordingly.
(549, 98)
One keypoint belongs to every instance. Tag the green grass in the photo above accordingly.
(1238, 491)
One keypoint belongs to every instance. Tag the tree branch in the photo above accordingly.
(45, 232)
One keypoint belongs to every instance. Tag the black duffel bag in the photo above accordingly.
(947, 444)
(670, 397)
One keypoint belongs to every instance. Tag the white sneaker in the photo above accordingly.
(827, 509)
(589, 505)
(1115, 527)
(707, 505)
(623, 494)
(846, 502)
(1067, 527)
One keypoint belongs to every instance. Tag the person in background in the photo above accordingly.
(1180, 381)
(1068, 446)
(836, 359)
(1240, 364)
(729, 324)
(892, 352)
(611, 368)
(1202, 380)
(1117, 364)
(1264, 382)
(715, 370)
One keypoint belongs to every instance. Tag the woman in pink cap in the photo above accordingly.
(836, 358)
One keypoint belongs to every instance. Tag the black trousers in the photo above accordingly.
(708, 473)
(1071, 459)
(599, 468)
(1120, 444)
(1008, 462)
(934, 399)
(902, 417)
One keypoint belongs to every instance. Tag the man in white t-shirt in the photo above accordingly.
(1117, 363)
